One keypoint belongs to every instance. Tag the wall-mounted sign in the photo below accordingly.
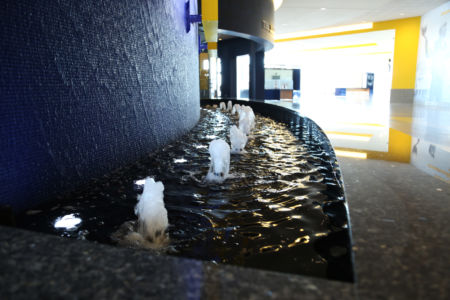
(281, 79)
(267, 26)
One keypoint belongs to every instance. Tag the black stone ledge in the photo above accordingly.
(40, 266)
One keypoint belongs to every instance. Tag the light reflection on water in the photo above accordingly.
(140, 182)
(179, 160)
(68, 222)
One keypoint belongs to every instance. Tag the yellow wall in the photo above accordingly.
(407, 33)
(210, 10)
(210, 19)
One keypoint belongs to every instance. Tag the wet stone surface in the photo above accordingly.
(281, 209)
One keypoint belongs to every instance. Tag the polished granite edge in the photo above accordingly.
(39, 266)
(400, 225)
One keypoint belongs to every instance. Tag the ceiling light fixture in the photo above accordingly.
(329, 30)
(340, 47)
(323, 8)
(277, 4)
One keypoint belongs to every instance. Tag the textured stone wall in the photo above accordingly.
(89, 86)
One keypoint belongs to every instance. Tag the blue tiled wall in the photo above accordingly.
(89, 86)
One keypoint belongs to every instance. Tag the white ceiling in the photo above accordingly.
(298, 15)
(375, 41)
(343, 47)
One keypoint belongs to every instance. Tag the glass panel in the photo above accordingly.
(242, 76)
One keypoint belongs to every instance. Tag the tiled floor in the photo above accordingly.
(400, 221)
(416, 134)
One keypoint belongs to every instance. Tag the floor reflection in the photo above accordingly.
(431, 140)
(416, 134)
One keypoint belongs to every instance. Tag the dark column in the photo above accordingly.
(256, 89)
(228, 63)
(247, 29)
(296, 79)
(248, 19)
(259, 64)
(252, 83)
(225, 74)
(232, 76)
(228, 50)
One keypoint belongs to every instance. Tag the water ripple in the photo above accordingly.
(268, 214)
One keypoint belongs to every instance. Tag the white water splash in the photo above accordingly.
(230, 106)
(219, 151)
(149, 231)
(238, 140)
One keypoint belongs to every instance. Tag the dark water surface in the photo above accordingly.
(275, 212)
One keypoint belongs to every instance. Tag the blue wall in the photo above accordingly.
(89, 86)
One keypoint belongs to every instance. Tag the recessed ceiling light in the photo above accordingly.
(323, 8)
(277, 4)
(328, 30)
